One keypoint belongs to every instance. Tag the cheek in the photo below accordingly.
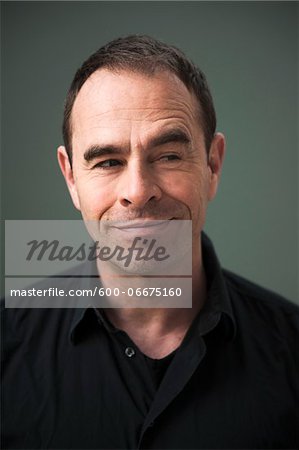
(95, 197)
(191, 190)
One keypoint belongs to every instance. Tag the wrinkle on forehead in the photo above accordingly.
(109, 100)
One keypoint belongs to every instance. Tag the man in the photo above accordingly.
(141, 145)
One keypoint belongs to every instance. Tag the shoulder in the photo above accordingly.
(256, 293)
(26, 327)
(262, 310)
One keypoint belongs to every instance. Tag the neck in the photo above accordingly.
(159, 331)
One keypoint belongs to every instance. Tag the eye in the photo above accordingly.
(108, 163)
(170, 157)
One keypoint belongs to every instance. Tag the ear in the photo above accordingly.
(67, 172)
(215, 162)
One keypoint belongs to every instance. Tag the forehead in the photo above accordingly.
(111, 102)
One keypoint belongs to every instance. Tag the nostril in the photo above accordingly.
(126, 202)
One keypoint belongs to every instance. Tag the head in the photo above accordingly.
(139, 135)
(148, 56)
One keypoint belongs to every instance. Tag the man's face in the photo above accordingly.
(138, 150)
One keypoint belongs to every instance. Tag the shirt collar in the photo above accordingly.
(218, 304)
(217, 310)
(87, 277)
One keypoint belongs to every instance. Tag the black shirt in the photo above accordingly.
(73, 381)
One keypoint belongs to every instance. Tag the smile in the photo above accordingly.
(142, 227)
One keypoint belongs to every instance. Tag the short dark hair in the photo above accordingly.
(146, 55)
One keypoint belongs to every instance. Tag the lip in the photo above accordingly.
(141, 228)
(140, 224)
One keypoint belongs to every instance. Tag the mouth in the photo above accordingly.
(137, 224)
(142, 227)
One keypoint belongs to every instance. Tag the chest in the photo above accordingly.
(208, 398)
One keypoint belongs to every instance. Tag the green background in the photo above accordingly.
(249, 52)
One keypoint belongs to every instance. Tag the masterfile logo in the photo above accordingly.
(148, 261)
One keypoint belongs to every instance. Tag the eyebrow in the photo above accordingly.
(167, 137)
(96, 151)
(170, 136)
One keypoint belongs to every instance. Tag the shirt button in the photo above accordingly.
(129, 352)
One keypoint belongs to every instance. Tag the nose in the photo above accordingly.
(138, 186)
